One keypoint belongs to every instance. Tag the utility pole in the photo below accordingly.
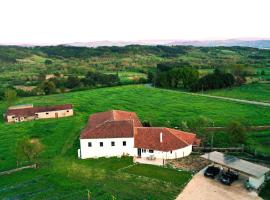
(212, 138)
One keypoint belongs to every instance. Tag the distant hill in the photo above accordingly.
(262, 44)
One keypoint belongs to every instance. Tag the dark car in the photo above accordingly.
(228, 177)
(211, 171)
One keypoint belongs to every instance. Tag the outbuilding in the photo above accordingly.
(256, 173)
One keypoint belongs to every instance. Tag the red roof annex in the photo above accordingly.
(150, 138)
(27, 112)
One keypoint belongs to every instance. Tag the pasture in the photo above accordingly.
(254, 92)
(63, 176)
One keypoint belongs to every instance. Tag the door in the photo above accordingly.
(56, 115)
(139, 152)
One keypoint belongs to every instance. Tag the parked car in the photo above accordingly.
(211, 171)
(228, 177)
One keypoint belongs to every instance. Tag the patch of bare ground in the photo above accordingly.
(190, 163)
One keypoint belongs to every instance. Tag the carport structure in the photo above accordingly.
(255, 172)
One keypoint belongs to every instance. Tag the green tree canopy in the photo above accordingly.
(10, 96)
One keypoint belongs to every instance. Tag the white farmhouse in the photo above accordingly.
(117, 133)
(29, 112)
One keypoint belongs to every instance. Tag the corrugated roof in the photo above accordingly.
(237, 164)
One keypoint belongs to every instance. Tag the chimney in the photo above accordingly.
(160, 137)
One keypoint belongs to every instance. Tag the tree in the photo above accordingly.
(237, 132)
(28, 149)
(10, 96)
(48, 87)
(72, 82)
(48, 62)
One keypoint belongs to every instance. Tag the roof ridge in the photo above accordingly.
(169, 129)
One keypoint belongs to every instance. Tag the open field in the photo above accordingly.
(62, 174)
(256, 140)
(255, 92)
(71, 179)
(160, 107)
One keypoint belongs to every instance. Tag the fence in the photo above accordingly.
(208, 149)
(18, 169)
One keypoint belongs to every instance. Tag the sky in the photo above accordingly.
(67, 21)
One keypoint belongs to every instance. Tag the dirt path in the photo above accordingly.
(202, 188)
(220, 97)
(230, 99)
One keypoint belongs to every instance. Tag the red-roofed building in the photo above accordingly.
(117, 133)
(29, 112)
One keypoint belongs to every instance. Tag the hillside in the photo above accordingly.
(24, 65)
(64, 176)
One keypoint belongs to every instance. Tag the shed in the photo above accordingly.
(255, 172)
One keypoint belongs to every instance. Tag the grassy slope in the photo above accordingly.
(66, 175)
(256, 92)
(161, 107)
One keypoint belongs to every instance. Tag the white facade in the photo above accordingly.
(256, 182)
(42, 115)
(54, 114)
(179, 153)
(92, 148)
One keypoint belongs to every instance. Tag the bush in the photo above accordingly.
(237, 132)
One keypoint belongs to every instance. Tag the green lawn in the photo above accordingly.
(159, 173)
(254, 91)
(256, 140)
(66, 175)
(259, 141)
(161, 107)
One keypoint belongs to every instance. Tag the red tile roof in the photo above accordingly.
(110, 129)
(26, 112)
(111, 124)
(149, 138)
(119, 124)
(113, 115)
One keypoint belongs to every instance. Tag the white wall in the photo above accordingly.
(51, 114)
(256, 182)
(107, 150)
(179, 153)
(42, 115)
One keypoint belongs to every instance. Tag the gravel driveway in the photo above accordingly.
(202, 188)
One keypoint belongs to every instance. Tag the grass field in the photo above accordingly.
(71, 179)
(256, 140)
(255, 91)
(66, 175)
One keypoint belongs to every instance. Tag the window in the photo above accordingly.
(144, 150)
(151, 151)
(113, 144)
(67, 110)
(89, 144)
(124, 143)
(171, 151)
(47, 113)
(13, 117)
(101, 144)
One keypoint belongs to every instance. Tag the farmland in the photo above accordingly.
(62, 174)
(254, 91)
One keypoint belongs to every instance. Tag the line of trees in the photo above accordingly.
(181, 75)
(216, 80)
